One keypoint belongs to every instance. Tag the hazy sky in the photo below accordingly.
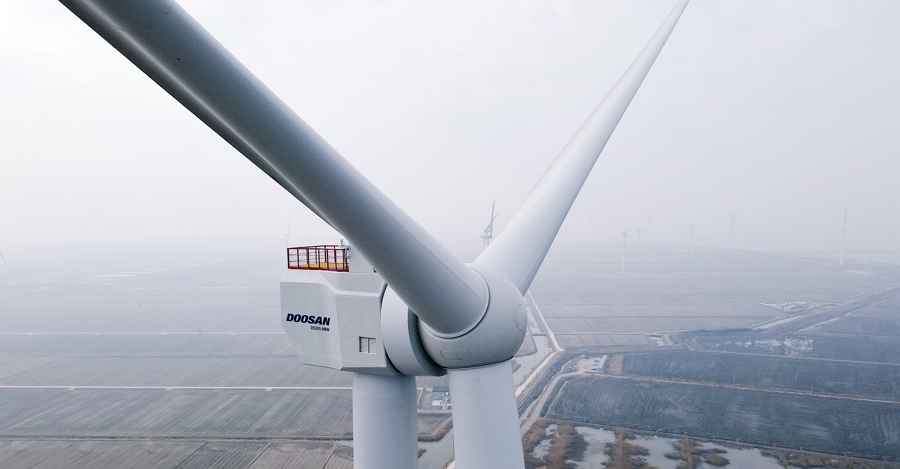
(786, 110)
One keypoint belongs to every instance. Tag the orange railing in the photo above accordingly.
(325, 257)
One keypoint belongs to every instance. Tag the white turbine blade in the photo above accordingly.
(167, 44)
(485, 418)
(519, 251)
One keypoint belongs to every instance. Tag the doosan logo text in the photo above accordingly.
(308, 319)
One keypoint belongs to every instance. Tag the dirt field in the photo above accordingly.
(614, 365)
(874, 381)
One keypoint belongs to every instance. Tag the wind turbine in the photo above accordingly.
(624, 234)
(639, 245)
(287, 234)
(465, 320)
(488, 234)
(732, 228)
(648, 221)
(843, 230)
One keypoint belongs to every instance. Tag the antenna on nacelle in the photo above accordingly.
(488, 234)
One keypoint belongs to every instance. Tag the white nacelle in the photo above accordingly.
(334, 319)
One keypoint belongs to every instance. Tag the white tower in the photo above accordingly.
(843, 230)
(732, 228)
(639, 245)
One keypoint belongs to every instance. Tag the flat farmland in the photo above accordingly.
(107, 454)
(595, 341)
(584, 291)
(658, 310)
(230, 413)
(873, 381)
(758, 417)
(867, 326)
(233, 294)
(733, 290)
(863, 349)
(887, 309)
(276, 371)
(644, 325)
(137, 345)
(181, 413)
(50, 453)
(129, 317)
(161, 362)
(172, 371)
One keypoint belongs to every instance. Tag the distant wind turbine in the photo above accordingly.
(287, 235)
(488, 234)
(639, 245)
(843, 230)
(732, 227)
(648, 222)
(624, 234)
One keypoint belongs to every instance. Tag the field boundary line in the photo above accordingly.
(195, 438)
(141, 333)
(537, 371)
(836, 360)
(172, 388)
(544, 320)
(739, 388)
(259, 455)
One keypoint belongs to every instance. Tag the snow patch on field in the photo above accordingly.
(777, 323)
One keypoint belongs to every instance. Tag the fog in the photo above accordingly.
(146, 314)
(786, 112)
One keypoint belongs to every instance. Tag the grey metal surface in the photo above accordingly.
(400, 329)
(520, 249)
(485, 418)
(161, 39)
(384, 422)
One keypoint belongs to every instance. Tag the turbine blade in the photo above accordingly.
(167, 44)
(519, 251)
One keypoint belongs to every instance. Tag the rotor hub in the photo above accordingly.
(496, 337)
